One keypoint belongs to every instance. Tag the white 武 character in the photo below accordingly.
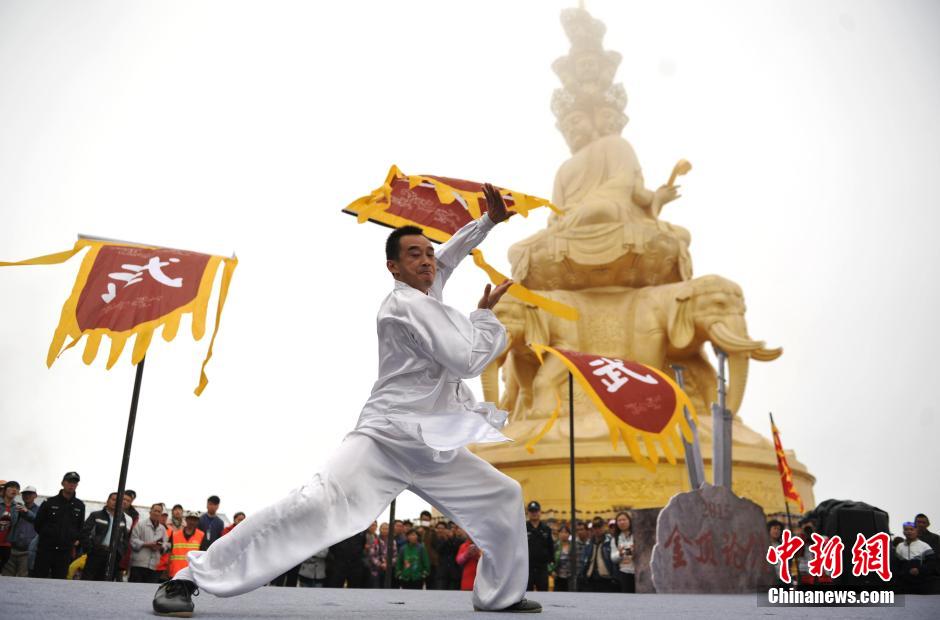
(134, 274)
(615, 374)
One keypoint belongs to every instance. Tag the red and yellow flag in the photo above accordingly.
(786, 474)
(640, 403)
(125, 290)
(441, 206)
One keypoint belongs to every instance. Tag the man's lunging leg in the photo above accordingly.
(488, 505)
(359, 481)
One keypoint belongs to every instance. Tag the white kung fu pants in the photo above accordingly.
(364, 475)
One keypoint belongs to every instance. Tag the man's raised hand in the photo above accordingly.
(495, 205)
(492, 295)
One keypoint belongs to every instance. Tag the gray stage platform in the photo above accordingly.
(33, 599)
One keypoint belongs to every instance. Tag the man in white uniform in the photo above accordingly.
(411, 434)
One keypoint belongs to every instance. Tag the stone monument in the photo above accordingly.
(629, 273)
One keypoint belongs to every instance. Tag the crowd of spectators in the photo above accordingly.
(57, 539)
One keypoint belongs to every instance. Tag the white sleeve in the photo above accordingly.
(462, 345)
(458, 247)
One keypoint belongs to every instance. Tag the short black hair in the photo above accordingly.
(919, 515)
(177, 506)
(131, 492)
(235, 516)
(426, 512)
(774, 522)
(393, 245)
(214, 499)
(411, 531)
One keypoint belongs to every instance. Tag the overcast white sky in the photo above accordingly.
(247, 126)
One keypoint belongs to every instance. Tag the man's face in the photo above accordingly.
(10, 492)
(598, 530)
(416, 265)
(127, 502)
(442, 531)
(910, 533)
(775, 532)
(238, 519)
(163, 518)
(922, 523)
(156, 512)
(28, 498)
(535, 515)
(177, 513)
(69, 486)
(582, 532)
(398, 528)
(412, 537)
(191, 523)
(112, 502)
(211, 508)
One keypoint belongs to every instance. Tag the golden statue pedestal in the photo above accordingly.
(608, 480)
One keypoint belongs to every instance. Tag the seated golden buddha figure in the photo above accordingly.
(610, 234)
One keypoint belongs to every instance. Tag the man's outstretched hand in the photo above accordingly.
(492, 295)
(495, 205)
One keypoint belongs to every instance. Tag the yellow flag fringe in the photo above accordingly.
(648, 455)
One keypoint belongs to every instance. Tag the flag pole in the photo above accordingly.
(122, 480)
(786, 504)
(389, 541)
(573, 547)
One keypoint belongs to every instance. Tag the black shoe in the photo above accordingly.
(175, 598)
(525, 606)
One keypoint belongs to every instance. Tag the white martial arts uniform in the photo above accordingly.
(412, 435)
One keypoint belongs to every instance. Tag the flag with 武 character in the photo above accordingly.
(126, 290)
(441, 206)
(786, 474)
(641, 404)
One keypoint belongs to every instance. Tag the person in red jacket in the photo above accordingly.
(468, 556)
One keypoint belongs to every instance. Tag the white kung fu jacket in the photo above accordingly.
(426, 348)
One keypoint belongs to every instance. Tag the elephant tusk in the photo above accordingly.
(731, 342)
(766, 355)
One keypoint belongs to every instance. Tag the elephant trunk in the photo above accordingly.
(490, 381)
(737, 380)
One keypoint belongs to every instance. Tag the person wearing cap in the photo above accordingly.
(22, 534)
(190, 538)
(541, 548)
(58, 526)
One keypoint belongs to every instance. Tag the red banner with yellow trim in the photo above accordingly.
(124, 290)
(441, 206)
(640, 404)
(786, 474)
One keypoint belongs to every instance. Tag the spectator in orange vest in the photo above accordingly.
(190, 538)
